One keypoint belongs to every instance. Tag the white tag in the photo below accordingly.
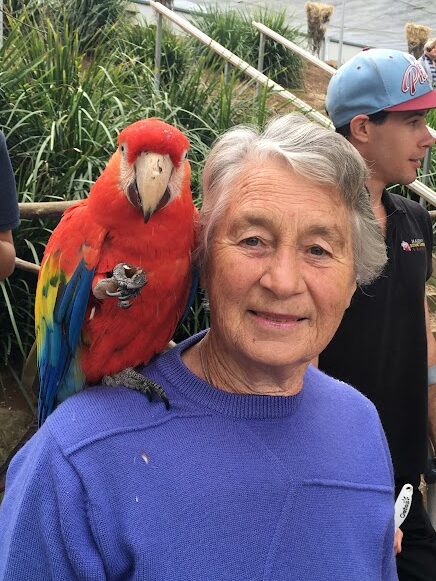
(402, 504)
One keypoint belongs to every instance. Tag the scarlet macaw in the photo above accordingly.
(116, 273)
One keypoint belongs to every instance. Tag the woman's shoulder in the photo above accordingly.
(99, 413)
(338, 393)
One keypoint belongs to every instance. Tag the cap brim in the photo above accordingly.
(427, 101)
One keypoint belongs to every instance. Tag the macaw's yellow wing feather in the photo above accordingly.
(62, 295)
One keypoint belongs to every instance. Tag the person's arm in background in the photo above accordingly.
(9, 215)
(7, 254)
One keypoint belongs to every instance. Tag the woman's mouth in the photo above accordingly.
(276, 319)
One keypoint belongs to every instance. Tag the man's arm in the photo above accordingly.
(431, 354)
(7, 254)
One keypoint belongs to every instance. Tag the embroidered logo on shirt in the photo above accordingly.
(414, 244)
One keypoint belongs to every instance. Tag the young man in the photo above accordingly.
(384, 347)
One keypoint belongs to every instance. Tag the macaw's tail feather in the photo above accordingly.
(58, 350)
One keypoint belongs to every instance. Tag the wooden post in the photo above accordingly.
(158, 51)
(260, 59)
(1, 23)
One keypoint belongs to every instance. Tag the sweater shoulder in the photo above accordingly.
(340, 395)
(100, 413)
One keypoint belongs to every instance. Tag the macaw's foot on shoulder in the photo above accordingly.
(129, 377)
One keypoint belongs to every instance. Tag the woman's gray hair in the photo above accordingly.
(317, 154)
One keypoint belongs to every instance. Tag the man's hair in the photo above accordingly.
(314, 152)
(430, 44)
(377, 118)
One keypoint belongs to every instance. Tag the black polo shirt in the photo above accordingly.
(9, 218)
(381, 346)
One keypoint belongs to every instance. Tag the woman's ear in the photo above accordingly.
(359, 128)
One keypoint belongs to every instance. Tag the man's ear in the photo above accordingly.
(359, 128)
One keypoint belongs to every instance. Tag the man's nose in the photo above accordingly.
(283, 274)
(430, 137)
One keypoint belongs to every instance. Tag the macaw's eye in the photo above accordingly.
(123, 148)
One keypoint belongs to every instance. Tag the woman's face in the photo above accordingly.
(280, 272)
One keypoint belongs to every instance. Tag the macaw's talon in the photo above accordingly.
(129, 277)
(125, 284)
(129, 377)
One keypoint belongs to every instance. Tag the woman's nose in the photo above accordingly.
(283, 275)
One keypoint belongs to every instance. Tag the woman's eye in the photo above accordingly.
(252, 241)
(318, 251)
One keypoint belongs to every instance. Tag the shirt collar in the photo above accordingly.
(392, 203)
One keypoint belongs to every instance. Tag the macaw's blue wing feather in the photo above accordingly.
(61, 302)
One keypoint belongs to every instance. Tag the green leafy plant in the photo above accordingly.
(61, 110)
(233, 29)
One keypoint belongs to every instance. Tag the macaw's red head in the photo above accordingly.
(152, 164)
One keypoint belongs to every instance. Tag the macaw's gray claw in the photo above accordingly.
(125, 284)
(129, 277)
(131, 378)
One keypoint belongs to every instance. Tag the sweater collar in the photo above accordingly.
(223, 402)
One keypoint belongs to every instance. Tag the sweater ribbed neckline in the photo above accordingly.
(229, 404)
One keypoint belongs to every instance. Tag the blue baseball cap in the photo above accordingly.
(378, 80)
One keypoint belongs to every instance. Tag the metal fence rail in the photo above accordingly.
(237, 62)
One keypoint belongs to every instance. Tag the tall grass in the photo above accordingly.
(233, 29)
(61, 108)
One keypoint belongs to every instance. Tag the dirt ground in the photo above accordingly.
(16, 420)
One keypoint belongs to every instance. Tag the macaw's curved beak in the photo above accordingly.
(149, 191)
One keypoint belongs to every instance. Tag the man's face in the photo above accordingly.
(395, 148)
(280, 273)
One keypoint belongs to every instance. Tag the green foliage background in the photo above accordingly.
(72, 75)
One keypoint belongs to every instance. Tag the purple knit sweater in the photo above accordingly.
(221, 487)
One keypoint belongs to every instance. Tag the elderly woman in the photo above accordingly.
(264, 467)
